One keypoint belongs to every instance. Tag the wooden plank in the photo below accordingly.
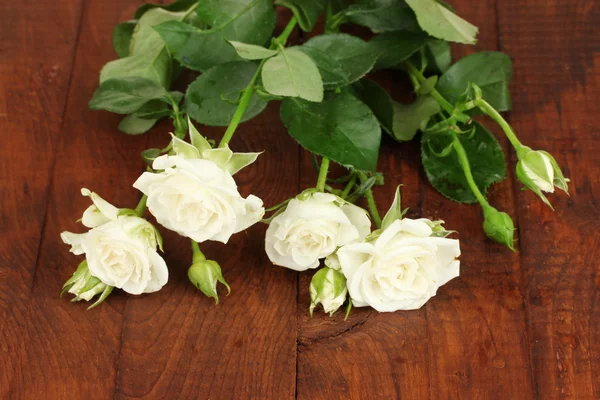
(555, 46)
(477, 328)
(34, 80)
(68, 351)
(177, 343)
(369, 355)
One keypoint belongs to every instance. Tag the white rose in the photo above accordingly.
(312, 227)
(120, 250)
(197, 199)
(401, 269)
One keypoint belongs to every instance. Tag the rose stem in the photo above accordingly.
(322, 175)
(249, 91)
(371, 203)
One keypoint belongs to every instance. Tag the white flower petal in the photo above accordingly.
(159, 272)
(74, 240)
(358, 217)
(92, 217)
(107, 209)
(254, 211)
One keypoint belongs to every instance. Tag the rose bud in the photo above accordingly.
(328, 288)
(499, 227)
(540, 172)
(85, 286)
(205, 274)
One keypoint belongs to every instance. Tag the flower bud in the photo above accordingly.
(85, 286)
(540, 172)
(204, 275)
(499, 227)
(328, 287)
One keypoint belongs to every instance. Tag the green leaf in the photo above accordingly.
(207, 98)
(179, 5)
(341, 128)
(437, 20)
(292, 73)
(154, 109)
(445, 174)
(354, 55)
(382, 15)
(332, 73)
(251, 51)
(401, 121)
(247, 21)
(408, 118)
(125, 95)
(392, 48)
(148, 58)
(133, 125)
(491, 71)
(378, 100)
(306, 11)
(121, 37)
(438, 55)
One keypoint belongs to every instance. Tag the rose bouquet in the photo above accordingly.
(333, 109)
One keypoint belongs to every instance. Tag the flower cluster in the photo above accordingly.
(189, 190)
(332, 108)
(399, 266)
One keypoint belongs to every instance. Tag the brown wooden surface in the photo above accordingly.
(513, 326)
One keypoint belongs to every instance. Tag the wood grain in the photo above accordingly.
(477, 328)
(34, 80)
(555, 49)
(68, 351)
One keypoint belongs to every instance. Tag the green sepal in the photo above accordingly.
(348, 308)
(559, 179)
(149, 155)
(82, 268)
(196, 138)
(395, 211)
(108, 290)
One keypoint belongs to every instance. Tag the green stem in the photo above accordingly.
(495, 115)
(189, 11)
(445, 104)
(141, 206)
(241, 108)
(466, 167)
(322, 175)
(179, 131)
(198, 255)
(349, 186)
(249, 91)
(371, 203)
(287, 31)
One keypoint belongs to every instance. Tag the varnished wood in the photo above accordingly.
(555, 47)
(516, 326)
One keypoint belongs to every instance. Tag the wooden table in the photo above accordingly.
(513, 326)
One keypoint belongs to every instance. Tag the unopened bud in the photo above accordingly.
(85, 286)
(204, 275)
(499, 227)
(328, 288)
